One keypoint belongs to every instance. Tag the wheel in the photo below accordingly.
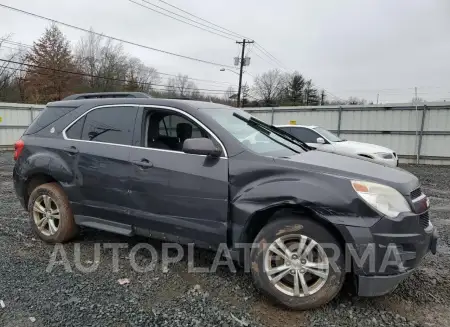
(50, 214)
(297, 263)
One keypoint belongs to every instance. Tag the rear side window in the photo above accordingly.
(74, 132)
(304, 134)
(46, 117)
(110, 125)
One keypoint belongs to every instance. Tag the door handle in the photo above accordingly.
(71, 150)
(143, 163)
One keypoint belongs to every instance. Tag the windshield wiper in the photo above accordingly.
(275, 130)
(93, 135)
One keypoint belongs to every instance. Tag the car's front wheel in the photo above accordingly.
(298, 263)
(50, 214)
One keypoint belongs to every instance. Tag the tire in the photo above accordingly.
(319, 292)
(52, 199)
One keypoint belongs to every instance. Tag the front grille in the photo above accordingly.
(416, 193)
(424, 219)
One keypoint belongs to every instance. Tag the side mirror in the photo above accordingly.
(202, 146)
(320, 140)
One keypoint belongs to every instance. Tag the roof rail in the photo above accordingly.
(105, 95)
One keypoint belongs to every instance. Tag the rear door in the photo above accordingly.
(99, 144)
(172, 192)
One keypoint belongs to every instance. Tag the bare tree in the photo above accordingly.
(270, 86)
(229, 92)
(104, 61)
(245, 94)
(140, 77)
(182, 85)
(355, 100)
(11, 68)
(195, 93)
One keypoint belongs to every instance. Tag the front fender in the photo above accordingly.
(329, 199)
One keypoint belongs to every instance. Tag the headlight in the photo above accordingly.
(385, 155)
(382, 198)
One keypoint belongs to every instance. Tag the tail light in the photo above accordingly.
(18, 147)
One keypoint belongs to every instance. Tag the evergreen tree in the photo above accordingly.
(50, 60)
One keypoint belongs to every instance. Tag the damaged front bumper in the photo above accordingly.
(377, 285)
(386, 253)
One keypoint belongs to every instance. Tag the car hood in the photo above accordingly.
(353, 168)
(361, 147)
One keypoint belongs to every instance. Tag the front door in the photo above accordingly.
(172, 192)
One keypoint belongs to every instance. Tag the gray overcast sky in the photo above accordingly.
(348, 47)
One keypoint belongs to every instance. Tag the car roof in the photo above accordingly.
(139, 101)
(307, 126)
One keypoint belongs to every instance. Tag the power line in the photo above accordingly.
(159, 12)
(114, 38)
(186, 12)
(249, 49)
(246, 72)
(267, 53)
(118, 80)
(269, 62)
(161, 73)
(186, 18)
(231, 33)
(125, 41)
(97, 76)
(334, 96)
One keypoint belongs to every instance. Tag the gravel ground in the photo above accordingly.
(30, 296)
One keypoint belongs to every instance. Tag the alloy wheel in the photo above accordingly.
(46, 215)
(296, 265)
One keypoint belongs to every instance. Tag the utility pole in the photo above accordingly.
(242, 64)
(378, 96)
(417, 126)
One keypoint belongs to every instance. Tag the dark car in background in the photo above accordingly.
(183, 171)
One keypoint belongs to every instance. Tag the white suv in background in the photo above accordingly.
(320, 138)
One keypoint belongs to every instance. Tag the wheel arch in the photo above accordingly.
(44, 167)
(262, 217)
(34, 181)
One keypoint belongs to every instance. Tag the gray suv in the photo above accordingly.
(183, 171)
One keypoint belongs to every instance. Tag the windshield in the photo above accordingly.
(328, 135)
(262, 142)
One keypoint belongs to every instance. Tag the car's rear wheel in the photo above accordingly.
(297, 263)
(50, 214)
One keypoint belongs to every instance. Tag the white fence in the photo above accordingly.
(14, 119)
(415, 134)
(419, 134)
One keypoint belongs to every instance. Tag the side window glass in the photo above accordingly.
(110, 125)
(175, 125)
(305, 134)
(286, 129)
(163, 129)
(74, 132)
(169, 131)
